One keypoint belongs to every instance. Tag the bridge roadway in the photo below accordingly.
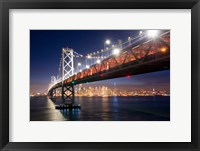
(148, 56)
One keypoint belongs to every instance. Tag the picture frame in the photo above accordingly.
(5, 5)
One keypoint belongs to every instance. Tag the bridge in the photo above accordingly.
(148, 51)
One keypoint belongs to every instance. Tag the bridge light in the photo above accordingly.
(101, 75)
(88, 56)
(87, 66)
(141, 32)
(128, 76)
(98, 61)
(79, 64)
(163, 49)
(107, 42)
(152, 33)
(116, 51)
(80, 70)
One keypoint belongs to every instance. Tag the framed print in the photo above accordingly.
(94, 94)
(99, 75)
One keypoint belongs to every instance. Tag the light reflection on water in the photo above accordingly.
(103, 109)
(43, 109)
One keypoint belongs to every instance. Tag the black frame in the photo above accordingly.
(5, 5)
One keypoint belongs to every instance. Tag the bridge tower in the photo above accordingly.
(67, 71)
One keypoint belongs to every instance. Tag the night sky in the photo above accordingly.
(45, 54)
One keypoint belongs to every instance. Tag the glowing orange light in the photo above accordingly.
(163, 49)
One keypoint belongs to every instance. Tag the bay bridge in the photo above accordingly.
(147, 51)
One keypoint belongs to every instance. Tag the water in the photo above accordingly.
(151, 108)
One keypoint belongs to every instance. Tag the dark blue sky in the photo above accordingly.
(45, 54)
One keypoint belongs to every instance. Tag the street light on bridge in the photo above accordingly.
(88, 56)
(141, 32)
(98, 61)
(163, 49)
(152, 33)
(116, 51)
(87, 66)
(107, 42)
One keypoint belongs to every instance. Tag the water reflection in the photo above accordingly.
(70, 114)
(43, 109)
(115, 104)
(104, 109)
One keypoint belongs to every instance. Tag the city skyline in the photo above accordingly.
(48, 45)
(104, 91)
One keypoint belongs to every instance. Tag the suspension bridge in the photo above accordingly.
(148, 51)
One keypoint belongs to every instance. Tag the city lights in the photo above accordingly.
(104, 91)
(88, 56)
(79, 64)
(87, 66)
(116, 51)
(152, 33)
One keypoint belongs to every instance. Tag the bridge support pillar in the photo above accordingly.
(68, 94)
